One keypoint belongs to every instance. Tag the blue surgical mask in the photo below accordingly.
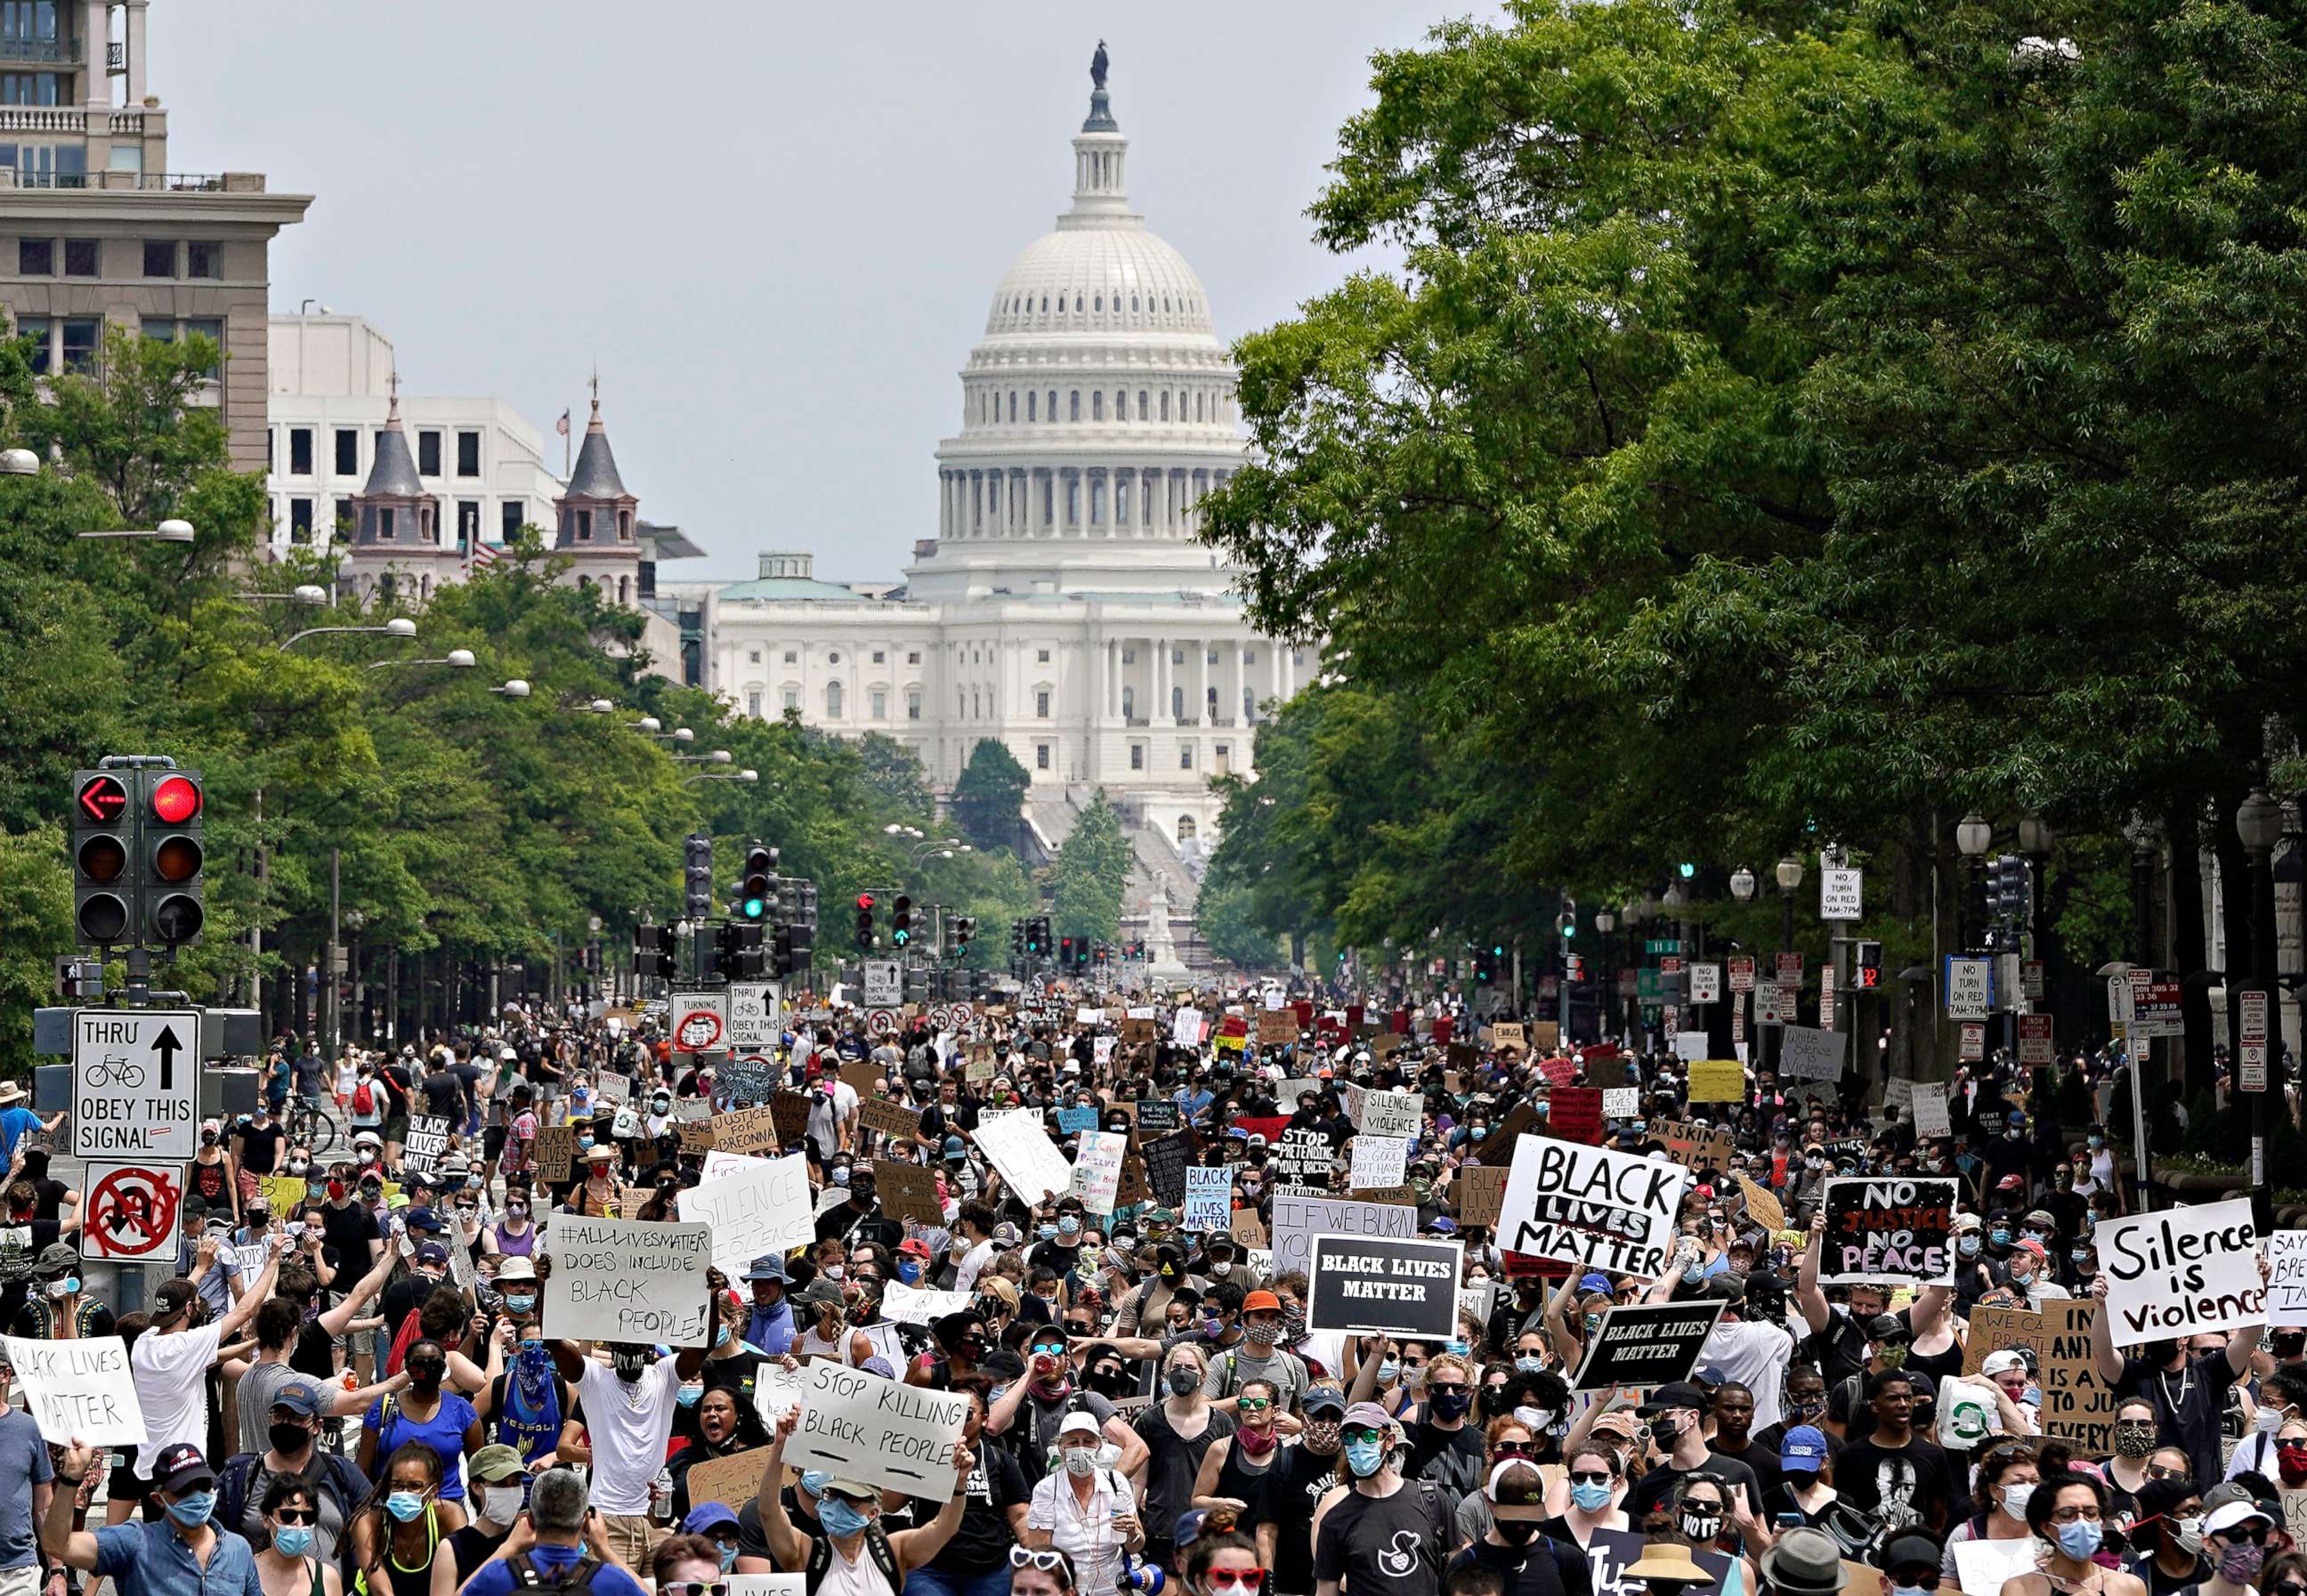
(1365, 1458)
(909, 1271)
(2000, 1238)
(1048, 1233)
(521, 1303)
(292, 1541)
(1530, 1363)
(840, 1520)
(1908, 1590)
(841, 1175)
(584, 1141)
(193, 1511)
(2081, 1538)
(1589, 1496)
(404, 1505)
(1967, 1245)
(2081, 1254)
(720, 1336)
(729, 1558)
(1069, 1226)
(688, 1396)
(1388, 1370)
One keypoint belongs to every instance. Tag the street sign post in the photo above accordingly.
(700, 1021)
(136, 1085)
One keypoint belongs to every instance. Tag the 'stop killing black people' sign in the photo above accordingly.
(1363, 1283)
(1893, 1231)
(1591, 1207)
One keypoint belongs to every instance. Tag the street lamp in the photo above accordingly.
(167, 531)
(2036, 836)
(305, 592)
(457, 658)
(19, 462)
(646, 723)
(514, 688)
(1973, 834)
(722, 775)
(1742, 884)
(399, 626)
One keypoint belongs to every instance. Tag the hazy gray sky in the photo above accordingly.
(777, 228)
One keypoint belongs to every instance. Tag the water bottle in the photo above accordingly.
(661, 1497)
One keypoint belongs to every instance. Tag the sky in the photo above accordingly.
(775, 227)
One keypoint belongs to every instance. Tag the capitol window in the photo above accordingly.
(793, 698)
(1097, 406)
(1013, 404)
(913, 657)
(1029, 406)
(792, 657)
(753, 705)
(1177, 657)
(753, 658)
(913, 703)
(1098, 303)
(1212, 658)
(1142, 397)
(1042, 704)
(1249, 657)
(1133, 302)
(1137, 756)
(1053, 404)
(1040, 756)
(1165, 404)
(880, 657)
(1186, 756)
(833, 700)
(1073, 405)
(880, 703)
(833, 659)
(1129, 656)
(1041, 657)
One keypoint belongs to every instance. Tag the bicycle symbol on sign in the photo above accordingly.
(114, 1070)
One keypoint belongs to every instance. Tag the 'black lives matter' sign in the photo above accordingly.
(1383, 1287)
(1888, 1231)
(1647, 1343)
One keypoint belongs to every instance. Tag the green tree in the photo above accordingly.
(1222, 912)
(894, 772)
(1089, 875)
(990, 796)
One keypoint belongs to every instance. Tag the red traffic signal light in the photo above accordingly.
(176, 799)
(865, 900)
(102, 798)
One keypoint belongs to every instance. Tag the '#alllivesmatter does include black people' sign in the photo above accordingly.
(1888, 1232)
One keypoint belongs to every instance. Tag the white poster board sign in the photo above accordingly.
(754, 1212)
(1096, 1177)
(1392, 1114)
(1380, 1161)
(718, 1163)
(1028, 1161)
(1209, 1197)
(2286, 1287)
(910, 1305)
(1622, 1102)
(1690, 1046)
(629, 1280)
(2181, 1272)
(1931, 1117)
(1298, 1220)
(1807, 1053)
(79, 1390)
(1591, 1207)
(862, 1426)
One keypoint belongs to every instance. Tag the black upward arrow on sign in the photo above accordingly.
(166, 1045)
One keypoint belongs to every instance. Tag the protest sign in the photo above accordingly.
(1480, 1189)
(1028, 1161)
(556, 1145)
(753, 1212)
(748, 1079)
(1377, 1161)
(1611, 1554)
(1717, 1080)
(1247, 1228)
(1209, 1197)
(1383, 1287)
(697, 1136)
(777, 1389)
(755, 1131)
(427, 1140)
(1992, 1329)
(1575, 1114)
(1509, 1034)
(1591, 1207)
(1167, 1158)
(1690, 1048)
(1392, 1114)
(1622, 1102)
(2287, 1285)
(1984, 1566)
(1930, 1108)
(864, 1079)
(615, 1086)
(1158, 1116)
(1074, 1122)
(907, 1191)
(788, 1120)
(1763, 1206)
(2181, 1272)
(1696, 1146)
(1646, 1343)
(1302, 1159)
(79, 1390)
(889, 1117)
(730, 1481)
(1498, 1146)
(1559, 1072)
(1298, 1220)
(283, 1194)
(718, 1163)
(1893, 1231)
(1806, 1053)
(1277, 1027)
(862, 1426)
(910, 1305)
(629, 1280)
(1096, 1177)
(1545, 1035)
(2077, 1405)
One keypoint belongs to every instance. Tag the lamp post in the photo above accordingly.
(2259, 823)
(1973, 835)
(399, 626)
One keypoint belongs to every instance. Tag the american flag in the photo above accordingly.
(562, 426)
(482, 555)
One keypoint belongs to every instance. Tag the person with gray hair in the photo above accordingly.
(556, 1546)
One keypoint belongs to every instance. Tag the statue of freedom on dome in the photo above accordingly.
(1097, 66)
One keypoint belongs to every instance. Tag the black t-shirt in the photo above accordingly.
(738, 1373)
(1392, 1544)
(1459, 1452)
(1293, 1485)
(444, 1092)
(471, 1547)
(260, 1147)
(1172, 1463)
(1902, 1485)
(349, 1230)
(2188, 1405)
(982, 1544)
(1651, 1490)
(1763, 1460)
(1840, 1350)
(1545, 1567)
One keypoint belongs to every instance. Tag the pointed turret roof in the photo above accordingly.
(596, 475)
(394, 470)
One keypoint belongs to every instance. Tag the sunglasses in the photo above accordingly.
(296, 1515)
(1236, 1579)
(1919, 1579)
(2245, 1534)
(1048, 1562)
(2287, 1588)
(1359, 1432)
(1589, 1476)
(1254, 1404)
(1511, 1449)
(694, 1587)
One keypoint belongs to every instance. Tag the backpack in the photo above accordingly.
(364, 1099)
(577, 1577)
(877, 1547)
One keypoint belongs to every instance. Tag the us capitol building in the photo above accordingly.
(1065, 607)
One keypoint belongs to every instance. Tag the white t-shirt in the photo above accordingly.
(628, 1425)
(965, 1279)
(827, 1114)
(171, 1376)
(1085, 1534)
(1755, 1355)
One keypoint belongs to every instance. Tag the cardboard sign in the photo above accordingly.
(907, 1191)
(1646, 1344)
(2181, 1272)
(1891, 1231)
(427, 1140)
(1545, 1035)
(788, 1119)
(731, 1481)
(889, 1118)
(1498, 1146)
(1392, 1114)
(2076, 1404)
(697, 1136)
(1209, 1197)
(1591, 1207)
(1806, 1053)
(718, 1163)
(1717, 1080)
(1575, 1114)
(862, 1426)
(1930, 1109)
(2286, 1286)
(1482, 1192)
(753, 1212)
(556, 1147)
(1302, 1159)
(1248, 1228)
(629, 1280)
(1993, 1329)
(1359, 1284)
(1763, 1207)
(1277, 1027)
(756, 1131)
(1167, 1159)
(1622, 1102)
(79, 1390)
(1696, 1146)
(1509, 1035)
(1028, 1161)
(1298, 1220)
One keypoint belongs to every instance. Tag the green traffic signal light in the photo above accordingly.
(1687, 869)
(1497, 950)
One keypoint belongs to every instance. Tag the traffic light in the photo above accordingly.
(697, 875)
(1866, 965)
(865, 936)
(1016, 939)
(104, 845)
(654, 953)
(1065, 951)
(1100, 953)
(174, 855)
(1081, 953)
(1566, 922)
(1037, 939)
(965, 926)
(755, 892)
(737, 954)
(901, 922)
(1485, 967)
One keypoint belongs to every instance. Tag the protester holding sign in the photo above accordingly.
(2189, 1390)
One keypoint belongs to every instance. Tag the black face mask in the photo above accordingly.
(630, 1366)
(1516, 1532)
(288, 1439)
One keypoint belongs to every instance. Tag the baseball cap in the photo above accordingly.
(1617, 1422)
(2028, 1244)
(1803, 1450)
(2012, 1183)
(1323, 1399)
(433, 1252)
(2001, 1362)
(181, 1467)
(1517, 1493)
(172, 1297)
(301, 1397)
(1674, 1394)
(706, 1517)
(495, 1463)
(1911, 1551)
(1261, 1302)
(1078, 1423)
(2228, 1514)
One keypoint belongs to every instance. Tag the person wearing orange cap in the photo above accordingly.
(1258, 1356)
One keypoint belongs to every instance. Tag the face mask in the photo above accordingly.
(687, 1394)
(1321, 1436)
(404, 1505)
(831, 1272)
(630, 1366)
(1222, 1267)
(1594, 1326)
(1805, 1407)
(2135, 1439)
(2269, 1420)
(729, 1556)
(288, 1439)
(1388, 1370)
(521, 1301)
(908, 1271)
(2081, 1254)
(1529, 1363)
(1365, 1458)
(1069, 1226)
(2292, 1460)
(2015, 1498)
(841, 1521)
(2240, 1564)
(1184, 1381)
(1048, 1233)
(1264, 1335)
(193, 1511)
(1967, 1245)
(1081, 1462)
(720, 1336)
(1893, 1357)
(1701, 1527)
(1908, 1590)
(516, 1210)
(2095, 1141)
(2081, 1538)
(292, 1541)
(1664, 1432)
(1517, 1534)
(1450, 1405)
(2191, 1533)
(2000, 1237)
(584, 1142)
